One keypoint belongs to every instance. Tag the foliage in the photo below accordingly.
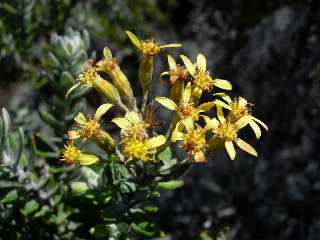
(65, 57)
(31, 191)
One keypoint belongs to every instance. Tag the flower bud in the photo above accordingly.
(105, 141)
(119, 79)
(215, 144)
(176, 90)
(107, 90)
(145, 72)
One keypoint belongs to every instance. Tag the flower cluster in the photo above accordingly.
(198, 128)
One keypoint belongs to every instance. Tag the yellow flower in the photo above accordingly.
(176, 72)
(193, 140)
(240, 108)
(149, 47)
(201, 77)
(132, 126)
(141, 149)
(86, 78)
(90, 78)
(178, 75)
(119, 79)
(226, 132)
(73, 155)
(186, 108)
(89, 127)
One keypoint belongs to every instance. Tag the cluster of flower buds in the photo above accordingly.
(199, 128)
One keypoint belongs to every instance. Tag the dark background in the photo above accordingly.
(270, 51)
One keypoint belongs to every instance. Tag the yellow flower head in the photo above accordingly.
(88, 75)
(201, 77)
(90, 127)
(86, 78)
(132, 126)
(176, 72)
(186, 108)
(193, 139)
(141, 149)
(227, 133)
(149, 47)
(241, 108)
(108, 64)
(72, 155)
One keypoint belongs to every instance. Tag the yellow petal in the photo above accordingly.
(255, 128)
(206, 106)
(197, 92)
(87, 159)
(172, 62)
(243, 121)
(107, 53)
(166, 102)
(261, 123)
(222, 104)
(73, 134)
(201, 62)
(230, 149)
(177, 136)
(163, 74)
(243, 101)
(187, 93)
(188, 123)
(172, 45)
(220, 114)
(189, 66)
(72, 88)
(80, 119)
(102, 110)
(223, 84)
(199, 157)
(134, 39)
(133, 117)
(224, 96)
(156, 141)
(210, 123)
(246, 147)
(122, 123)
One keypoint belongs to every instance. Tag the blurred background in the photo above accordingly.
(269, 50)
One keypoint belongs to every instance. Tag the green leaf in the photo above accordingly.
(79, 187)
(143, 228)
(10, 196)
(42, 211)
(170, 185)
(66, 78)
(62, 214)
(165, 155)
(30, 207)
(20, 146)
(6, 122)
(99, 231)
(9, 8)
(151, 209)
